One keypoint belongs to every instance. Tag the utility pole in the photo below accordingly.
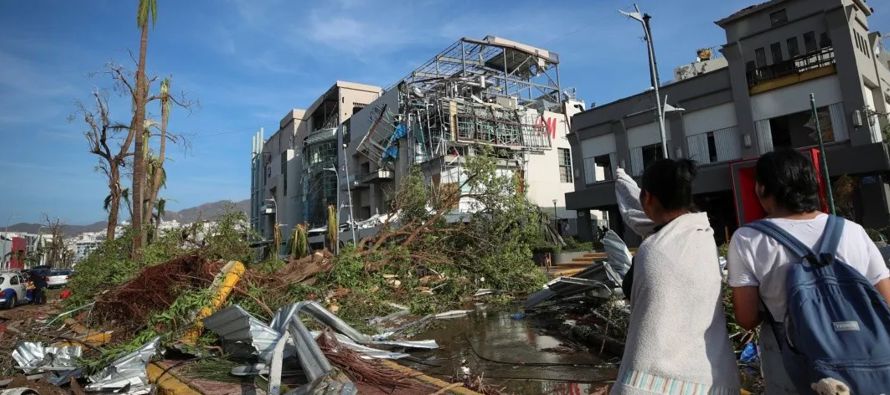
(822, 159)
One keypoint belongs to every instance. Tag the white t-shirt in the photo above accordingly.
(757, 260)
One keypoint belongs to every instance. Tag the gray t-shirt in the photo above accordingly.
(756, 260)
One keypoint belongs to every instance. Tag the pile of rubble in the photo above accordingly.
(283, 353)
(591, 302)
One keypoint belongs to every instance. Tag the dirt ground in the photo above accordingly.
(26, 323)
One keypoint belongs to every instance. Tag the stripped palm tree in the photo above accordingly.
(157, 176)
(147, 9)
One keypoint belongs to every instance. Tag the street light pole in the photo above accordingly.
(653, 70)
(822, 158)
(349, 194)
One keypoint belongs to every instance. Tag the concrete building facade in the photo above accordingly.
(290, 181)
(751, 101)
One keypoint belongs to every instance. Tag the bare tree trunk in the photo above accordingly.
(137, 127)
(114, 189)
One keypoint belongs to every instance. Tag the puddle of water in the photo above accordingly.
(510, 353)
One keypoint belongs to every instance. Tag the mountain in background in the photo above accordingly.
(206, 211)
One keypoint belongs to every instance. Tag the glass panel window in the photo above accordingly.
(793, 49)
(777, 18)
(760, 57)
(712, 147)
(824, 40)
(565, 165)
(776, 50)
(809, 41)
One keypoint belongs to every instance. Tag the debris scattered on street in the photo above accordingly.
(126, 372)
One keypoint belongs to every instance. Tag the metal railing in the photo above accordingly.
(797, 65)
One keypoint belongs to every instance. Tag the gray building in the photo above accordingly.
(754, 99)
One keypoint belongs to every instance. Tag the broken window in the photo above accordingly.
(597, 169)
(797, 130)
(565, 165)
(652, 153)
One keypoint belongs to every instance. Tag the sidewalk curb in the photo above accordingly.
(167, 382)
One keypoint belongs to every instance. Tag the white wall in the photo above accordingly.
(600, 145)
(796, 98)
(709, 119)
(647, 134)
(542, 170)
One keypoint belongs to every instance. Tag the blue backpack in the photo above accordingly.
(837, 324)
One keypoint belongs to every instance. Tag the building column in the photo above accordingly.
(845, 57)
(585, 228)
(874, 194)
(738, 79)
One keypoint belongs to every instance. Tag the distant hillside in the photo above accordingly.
(206, 211)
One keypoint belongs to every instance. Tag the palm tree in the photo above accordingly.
(157, 175)
(146, 9)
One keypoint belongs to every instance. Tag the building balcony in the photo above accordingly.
(795, 70)
(379, 175)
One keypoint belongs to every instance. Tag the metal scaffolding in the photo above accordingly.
(490, 92)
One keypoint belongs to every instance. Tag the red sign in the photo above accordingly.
(549, 124)
(19, 250)
(747, 204)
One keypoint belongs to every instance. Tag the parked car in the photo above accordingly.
(57, 278)
(13, 289)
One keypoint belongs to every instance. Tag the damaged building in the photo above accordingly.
(292, 172)
(728, 111)
(357, 142)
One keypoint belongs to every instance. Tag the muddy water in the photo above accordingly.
(512, 353)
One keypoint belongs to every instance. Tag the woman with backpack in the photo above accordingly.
(768, 257)
(677, 341)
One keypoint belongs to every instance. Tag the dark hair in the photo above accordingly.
(789, 177)
(670, 181)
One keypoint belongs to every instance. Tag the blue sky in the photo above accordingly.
(248, 62)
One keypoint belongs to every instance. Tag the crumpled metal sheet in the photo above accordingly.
(539, 297)
(33, 357)
(128, 370)
(237, 328)
(602, 272)
(19, 391)
(365, 350)
(616, 250)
